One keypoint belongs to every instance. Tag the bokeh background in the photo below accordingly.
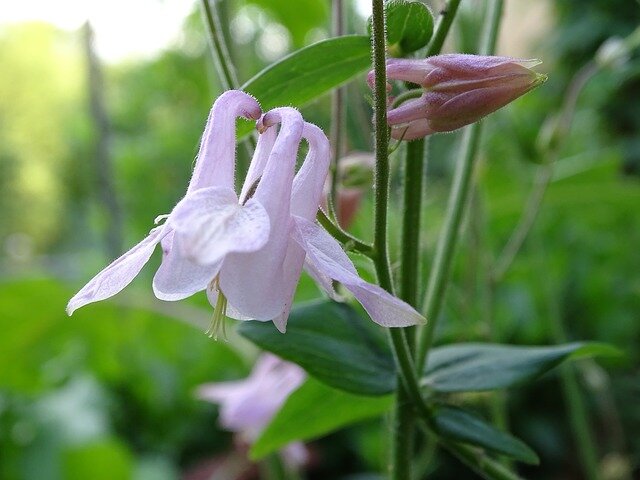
(101, 109)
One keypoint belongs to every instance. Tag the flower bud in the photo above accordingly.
(355, 177)
(459, 90)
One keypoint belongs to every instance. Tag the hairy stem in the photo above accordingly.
(219, 50)
(443, 24)
(410, 262)
(349, 241)
(337, 111)
(457, 204)
(403, 433)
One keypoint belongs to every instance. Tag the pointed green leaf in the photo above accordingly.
(315, 410)
(463, 426)
(477, 367)
(333, 343)
(309, 73)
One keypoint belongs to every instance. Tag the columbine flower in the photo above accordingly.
(248, 251)
(178, 276)
(260, 285)
(247, 406)
(458, 90)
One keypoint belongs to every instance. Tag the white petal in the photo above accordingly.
(215, 163)
(258, 162)
(178, 277)
(119, 273)
(211, 224)
(322, 280)
(324, 252)
(255, 283)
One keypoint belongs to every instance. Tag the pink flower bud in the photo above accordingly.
(459, 90)
(355, 177)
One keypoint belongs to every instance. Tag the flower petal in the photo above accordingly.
(411, 131)
(259, 161)
(255, 282)
(215, 163)
(211, 224)
(179, 277)
(306, 194)
(324, 252)
(119, 273)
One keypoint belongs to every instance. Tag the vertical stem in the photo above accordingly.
(381, 147)
(222, 60)
(442, 27)
(458, 197)
(413, 179)
(103, 161)
(404, 417)
(578, 415)
(221, 57)
(447, 241)
(337, 110)
(402, 432)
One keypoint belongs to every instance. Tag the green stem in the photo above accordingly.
(528, 218)
(458, 197)
(381, 148)
(574, 398)
(337, 111)
(408, 95)
(410, 261)
(443, 24)
(349, 241)
(402, 441)
(447, 241)
(477, 461)
(221, 57)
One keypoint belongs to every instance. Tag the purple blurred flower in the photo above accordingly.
(459, 90)
(247, 406)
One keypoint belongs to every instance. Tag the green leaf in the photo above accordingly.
(309, 73)
(107, 459)
(315, 410)
(409, 27)
(463, 426)
(477, 367)
(333, 343)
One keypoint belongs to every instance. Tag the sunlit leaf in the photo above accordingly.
(309, 73)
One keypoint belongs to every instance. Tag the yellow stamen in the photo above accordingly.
(219, 313)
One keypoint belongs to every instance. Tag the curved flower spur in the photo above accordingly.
(260, 285)
(178, 276)
(248, 251)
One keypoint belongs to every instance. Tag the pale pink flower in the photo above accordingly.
(247, 406)
(212, 184)
(459, 89)
(248, 251)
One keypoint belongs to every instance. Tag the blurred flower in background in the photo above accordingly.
(247, 406)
